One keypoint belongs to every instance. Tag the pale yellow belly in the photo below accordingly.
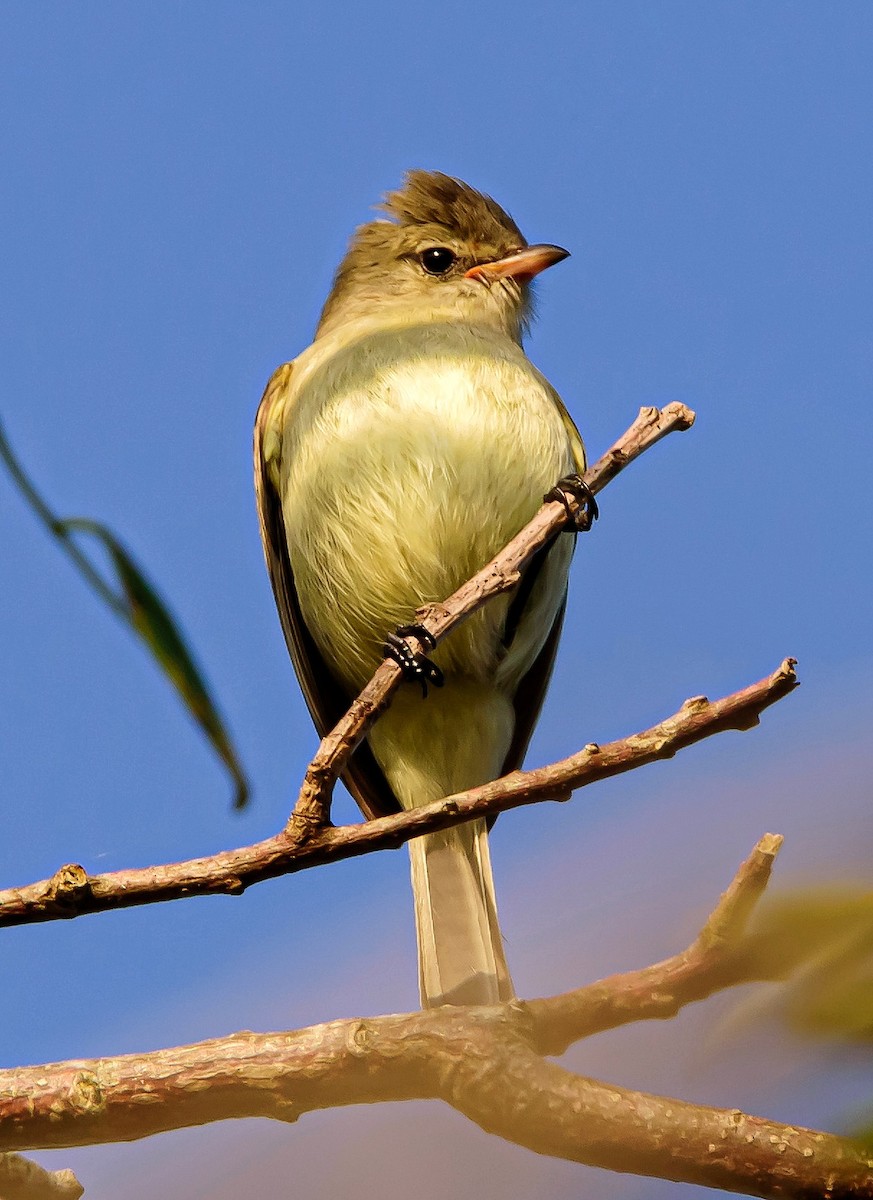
(402, 476)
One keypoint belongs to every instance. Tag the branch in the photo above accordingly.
(501, 575)
(21, 1179)
(715, 960)
(485, 1062)
(71, 892)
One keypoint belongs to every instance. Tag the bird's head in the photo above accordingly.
(446, 251)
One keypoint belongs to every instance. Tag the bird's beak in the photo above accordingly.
(521, 265)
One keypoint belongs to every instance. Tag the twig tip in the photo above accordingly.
(770, 844)
(682, 414)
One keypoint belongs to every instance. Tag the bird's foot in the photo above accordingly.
(587, 512)
(416, 668)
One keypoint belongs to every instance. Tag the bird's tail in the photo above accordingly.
(460, 949)
(457, 739)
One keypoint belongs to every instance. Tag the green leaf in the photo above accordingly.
(132, 598)
(150, 617)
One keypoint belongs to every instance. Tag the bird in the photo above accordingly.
(394, 457)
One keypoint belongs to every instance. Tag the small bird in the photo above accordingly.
(393, 458)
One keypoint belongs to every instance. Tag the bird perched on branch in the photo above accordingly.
(393, 458)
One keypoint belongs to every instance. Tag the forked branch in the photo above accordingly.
(489, 1063)
(486, 1062)
(72, 892)
(496, 578)
(308, 839)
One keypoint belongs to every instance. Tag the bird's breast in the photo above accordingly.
(408, 460)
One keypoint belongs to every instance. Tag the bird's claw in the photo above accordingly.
(587, 512)
(416, 668)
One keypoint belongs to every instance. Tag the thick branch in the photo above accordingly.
(476, 1060)
(72, 892)
(479, 1060)
(499, 576)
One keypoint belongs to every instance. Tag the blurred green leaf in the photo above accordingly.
(861, 1128)
(817, 946)
(821, 940)
(132, 598)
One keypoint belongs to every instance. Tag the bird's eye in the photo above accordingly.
(437, 260)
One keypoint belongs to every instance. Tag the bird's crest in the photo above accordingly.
(431, 198)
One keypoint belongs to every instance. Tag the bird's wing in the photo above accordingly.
(531, 691)
(325, 698)
(576, 444)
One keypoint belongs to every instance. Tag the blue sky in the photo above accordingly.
(179, 183)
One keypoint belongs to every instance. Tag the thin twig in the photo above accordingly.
(71, 892)
(497, 577)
